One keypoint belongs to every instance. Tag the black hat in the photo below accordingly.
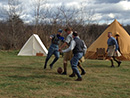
(75, 33)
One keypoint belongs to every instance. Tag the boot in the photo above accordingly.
(45, 66)
(112, 63)
(83, 72)
(72, 75)
(78, 79)
(46, 63)
(51, 66)
(119, 63)
(64, 73)
(112, 66)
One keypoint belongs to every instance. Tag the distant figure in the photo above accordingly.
(54, 47)
(78, 48)
(117, 39)
(113, 49)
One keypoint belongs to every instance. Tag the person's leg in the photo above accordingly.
(50, 52)
(74, 63)
(118, 61)
(74, 66)
(67, 57)
(65, 64)
(112, 65)
(82, 70)
(110, 58)
(65, 68)
(72, 75)
(80, 66)
(56, 53)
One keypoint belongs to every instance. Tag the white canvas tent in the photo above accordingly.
(32, 46)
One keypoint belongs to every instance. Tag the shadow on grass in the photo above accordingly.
(20, 68)
(32, 77)
(29, 73)
(35, 73)
(29, 77)
(98, 66)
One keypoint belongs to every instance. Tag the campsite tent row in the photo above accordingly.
(34, 44)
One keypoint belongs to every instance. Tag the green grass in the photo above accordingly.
(24, 77)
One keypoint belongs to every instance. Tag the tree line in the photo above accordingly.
(14, 32)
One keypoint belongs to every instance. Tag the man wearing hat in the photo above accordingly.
(112, 50)
(117, 39)
(77, 46)
(54, 47)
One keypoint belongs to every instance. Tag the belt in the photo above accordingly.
(110, 45)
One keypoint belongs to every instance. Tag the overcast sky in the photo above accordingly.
(105, 11)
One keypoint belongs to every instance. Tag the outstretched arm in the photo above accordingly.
(72, 45)
(65, 44)
(68, 39)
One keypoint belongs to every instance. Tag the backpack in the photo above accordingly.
(84, 48)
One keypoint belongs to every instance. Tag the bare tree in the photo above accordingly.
(38, 7)
(68, 15)
(14, 24)
(47, 20)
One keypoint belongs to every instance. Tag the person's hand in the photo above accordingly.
(59, 50)
(116, 52)
(50, 37)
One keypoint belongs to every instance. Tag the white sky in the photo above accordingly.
(105, 11)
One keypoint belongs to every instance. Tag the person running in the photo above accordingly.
(54, 47)
(112, 50)
(77, 46)
(68, 55)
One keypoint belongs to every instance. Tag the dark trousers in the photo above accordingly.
(52, 50)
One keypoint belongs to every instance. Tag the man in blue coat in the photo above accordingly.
(54, 47)
(112, 50)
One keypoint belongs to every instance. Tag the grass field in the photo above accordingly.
(24, 77)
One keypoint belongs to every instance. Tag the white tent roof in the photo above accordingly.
(32, 46)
